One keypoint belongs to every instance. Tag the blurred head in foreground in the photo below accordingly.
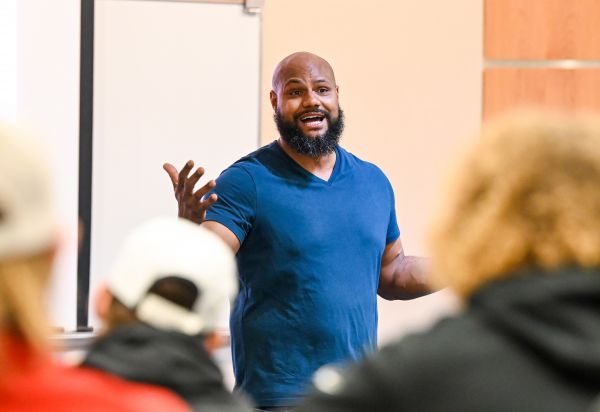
(173, 275)
(169, 289)
(527, 195)
(28, 237)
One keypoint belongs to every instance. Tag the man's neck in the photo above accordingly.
(321, 166)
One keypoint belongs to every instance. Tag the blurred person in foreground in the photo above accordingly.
(30, 380)
(518, 239)
(171, 283)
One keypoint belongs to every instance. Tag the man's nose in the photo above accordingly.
(311, 100)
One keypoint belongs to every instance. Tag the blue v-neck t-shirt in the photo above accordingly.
(309, 265)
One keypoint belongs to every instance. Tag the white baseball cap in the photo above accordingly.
(28, 222)
(169, 246)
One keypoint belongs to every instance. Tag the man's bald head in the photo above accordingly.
(299, 62)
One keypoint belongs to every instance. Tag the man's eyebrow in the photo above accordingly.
(295, 81)
(298, 81)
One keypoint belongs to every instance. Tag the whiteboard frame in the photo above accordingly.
(86, 143)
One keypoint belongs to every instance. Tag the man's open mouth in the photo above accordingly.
(312, 119)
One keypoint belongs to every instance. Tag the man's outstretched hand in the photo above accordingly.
(192, 205)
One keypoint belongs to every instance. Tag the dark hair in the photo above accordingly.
(176, 289)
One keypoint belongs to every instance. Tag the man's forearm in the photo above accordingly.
(409, 280)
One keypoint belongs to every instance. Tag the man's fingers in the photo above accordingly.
(172, 172)
(209, 201)
(198, 194)
(183, 174)
(201, 205)
(192, 180)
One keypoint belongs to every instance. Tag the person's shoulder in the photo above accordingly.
(103, 391)
(356, 163)
(451, 357)
(51, 386)
(251, 164)
(388, 379)
(258, 156)
(450, 345)
(221, 400)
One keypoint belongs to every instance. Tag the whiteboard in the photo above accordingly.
(48, 106)
(172, 81)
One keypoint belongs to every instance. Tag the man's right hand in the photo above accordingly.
(192, 205)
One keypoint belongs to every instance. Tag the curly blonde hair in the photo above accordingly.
(526, 195)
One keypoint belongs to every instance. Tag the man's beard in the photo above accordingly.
(311, 146)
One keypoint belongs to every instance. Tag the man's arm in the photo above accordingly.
(224, 233)
(402, 277)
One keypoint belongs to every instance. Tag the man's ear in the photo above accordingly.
(273, 97)
(213, 341)
(102, 302)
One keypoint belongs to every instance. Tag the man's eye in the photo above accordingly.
(323, 90)
(295, 93)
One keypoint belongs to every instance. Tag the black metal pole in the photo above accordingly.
(86, 111)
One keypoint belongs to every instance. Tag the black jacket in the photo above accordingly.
(168, 359)
(530, 344)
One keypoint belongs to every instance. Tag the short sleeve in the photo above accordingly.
(393, 231)
(236, 206)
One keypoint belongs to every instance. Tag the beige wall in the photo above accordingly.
(409, 73)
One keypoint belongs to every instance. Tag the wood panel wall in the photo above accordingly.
(543, 53)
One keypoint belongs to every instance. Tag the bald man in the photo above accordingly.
(315, 233)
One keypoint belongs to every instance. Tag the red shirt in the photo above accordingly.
(31, 381)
